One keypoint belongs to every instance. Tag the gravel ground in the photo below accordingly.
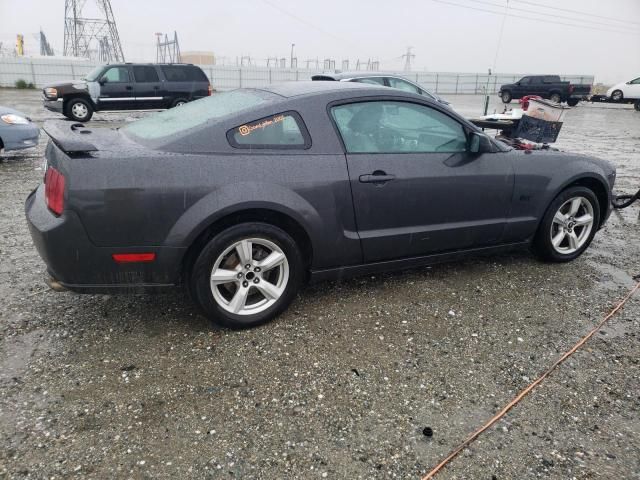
(344, 383)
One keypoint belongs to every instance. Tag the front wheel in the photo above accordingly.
(568, 226)
(572, 102)
(637, 105)
(79, 109)
(555, 98)
(617, 95)
(506, 97)
(247, 275)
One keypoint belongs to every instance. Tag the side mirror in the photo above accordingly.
(103, 80)
(478, 143)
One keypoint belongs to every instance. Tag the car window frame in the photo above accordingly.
(522, 81)
(417, 87)
(126, 68)
(337, 103)
(261, 146)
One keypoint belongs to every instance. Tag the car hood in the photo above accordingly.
(66, 83)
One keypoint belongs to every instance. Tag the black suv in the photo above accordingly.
(127, 86)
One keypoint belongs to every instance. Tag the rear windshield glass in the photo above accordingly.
(193, 114)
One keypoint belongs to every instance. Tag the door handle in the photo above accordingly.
(378, 177)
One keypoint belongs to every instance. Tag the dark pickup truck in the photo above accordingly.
(545, 86)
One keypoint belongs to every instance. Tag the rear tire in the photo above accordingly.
(637, 105)
(506, 97)
(247, 275)
(178, 102)
(617, 95)
(555, 98)
(78, 109)
(572, 102)
(568, 226)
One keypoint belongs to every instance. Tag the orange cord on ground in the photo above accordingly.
(528, 389)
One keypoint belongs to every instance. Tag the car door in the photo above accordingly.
(416, 190)
(116, 89)
(522, 87)
(632, 89)
(147, 88)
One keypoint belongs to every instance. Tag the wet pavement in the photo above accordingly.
(344, 383)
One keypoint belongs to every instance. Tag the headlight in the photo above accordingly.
(51, 92)
(12, 119)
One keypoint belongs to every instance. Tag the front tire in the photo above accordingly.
(247, 275)
(79, 109)
(617, 95)
(568, 226)
(572, 102)
(506, 97)
(555, 98)
(636, 105)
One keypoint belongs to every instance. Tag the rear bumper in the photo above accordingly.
(75, 263)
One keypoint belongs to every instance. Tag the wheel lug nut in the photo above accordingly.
(245, 284)
(256, 280)
(257, 269)
(240, 275)
(247, 266)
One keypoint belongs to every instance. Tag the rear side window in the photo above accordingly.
(403, 85)
(144, 74)
(371, 80)
(281, 131)
(184, 73)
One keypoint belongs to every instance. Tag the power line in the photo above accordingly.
(634, 29)
(554, 7)
(529, 18)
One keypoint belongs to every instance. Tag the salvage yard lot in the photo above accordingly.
(343, 384)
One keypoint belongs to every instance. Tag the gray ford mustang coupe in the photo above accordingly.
(245, 195)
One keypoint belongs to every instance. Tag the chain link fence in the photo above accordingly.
(42, 71)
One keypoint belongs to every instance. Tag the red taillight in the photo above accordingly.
(54, 190)
(210, 89)
(133, 257)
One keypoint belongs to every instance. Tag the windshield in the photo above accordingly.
(193, 114)
(93, 75)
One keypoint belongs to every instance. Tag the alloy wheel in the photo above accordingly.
(572, 225)
(79, 110)
(249, 276)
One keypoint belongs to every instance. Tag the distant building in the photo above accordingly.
(199, 58)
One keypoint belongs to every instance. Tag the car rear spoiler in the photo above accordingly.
(71, 138)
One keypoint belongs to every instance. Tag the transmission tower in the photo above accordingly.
(407, 59)
(45, 47)
(168, 51)
(95, 38)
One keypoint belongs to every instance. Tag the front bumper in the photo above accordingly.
(19, 137)
(53, 105)
(76, 264)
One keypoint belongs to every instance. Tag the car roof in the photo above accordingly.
(308, 87)
(356, 74)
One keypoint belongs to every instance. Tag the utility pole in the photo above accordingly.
(407, 59)
(291, 58)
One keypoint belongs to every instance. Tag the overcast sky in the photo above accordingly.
(588, 36)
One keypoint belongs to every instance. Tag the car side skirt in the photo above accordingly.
(409, 263)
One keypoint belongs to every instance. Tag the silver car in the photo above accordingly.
(17, 131)
(384, 79)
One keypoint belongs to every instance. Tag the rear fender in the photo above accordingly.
(240, 197)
